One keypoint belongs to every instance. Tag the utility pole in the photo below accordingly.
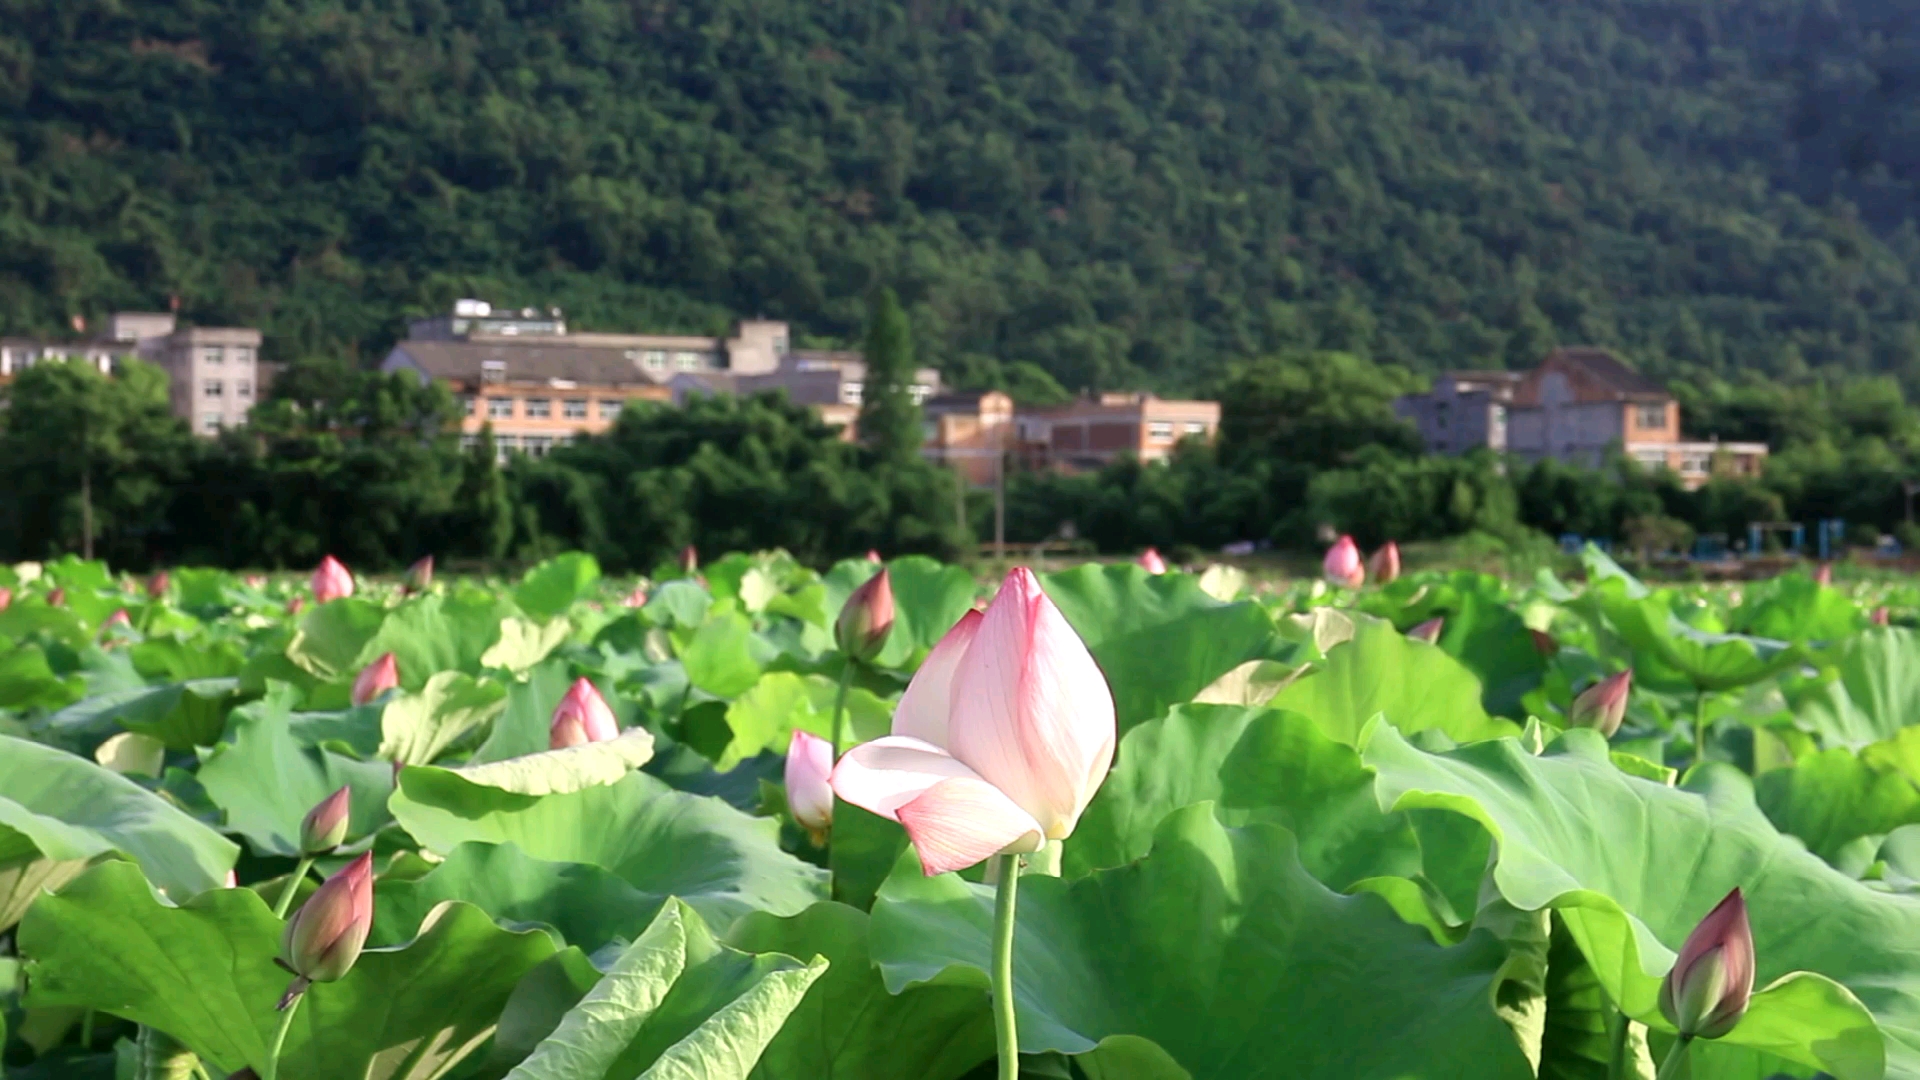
(1000, 506)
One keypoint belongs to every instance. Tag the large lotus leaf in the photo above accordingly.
(658, 840)
(31, 616)
(1833, 797)
(59, 807)
(437, 632)
(27, 681)
(681, 604)
(1577, 1032)
(1632, 865)
(1221, 950)
(175, 660)
(555, 585)
(204, 974)
(1254, 764)
(1868, 690)
(765, 717)
(266, 781)
(73, 572)
(849, 1027)
(1478, 628)
(722, 655)
(333, 635)
(524, 643)
(1381, 671)
(1797, 608)
(677, 1005)
(1672, 655)
(416, 728)
(551, 772)
(586, 905)
(182, 715)
(1158, 639)
(928, 598)
(524, 726)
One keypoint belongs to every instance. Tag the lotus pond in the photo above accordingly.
(1325, 848)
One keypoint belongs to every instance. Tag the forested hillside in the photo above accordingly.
(1116, 192)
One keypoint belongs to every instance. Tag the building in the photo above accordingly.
(1093, 431)
(215, 373)
(1578, 406)
(972, 431)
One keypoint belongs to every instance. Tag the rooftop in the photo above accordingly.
(1607, 369)
(529, 361)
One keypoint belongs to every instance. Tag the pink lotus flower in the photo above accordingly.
(232, 881)
(118, 619)
(1000, 740)
(1879, 617)
(1151, 562)
(874, 556)
(331, 581)
(57, 598)
(1428, 631)
(1823, 575)
(1706, 992)
(866, 619)
(1384, 565)
(255, 581)
(158, 583)
(325, 826)
(420, 575)
(295, 605)
(325, 936)
(1342, 564)
(375, 679)
(1603, 705)
(6, 598)
(636, 598)
(689, 559)
(582, 717)
(809, 787)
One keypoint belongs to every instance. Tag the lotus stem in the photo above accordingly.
(1006, 1036)
(1699, 727)
(1617, 1058)
(840, 706)
(293, 887)
(1671, 1068)
(280, 1037)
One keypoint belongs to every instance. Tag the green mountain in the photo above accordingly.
(1121, 192)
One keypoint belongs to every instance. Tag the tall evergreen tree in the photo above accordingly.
(889, 419)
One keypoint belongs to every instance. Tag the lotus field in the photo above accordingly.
(897, 820)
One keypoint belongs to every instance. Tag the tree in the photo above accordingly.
(1312, 407)
(890, 422)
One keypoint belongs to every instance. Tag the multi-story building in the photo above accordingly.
(215, 373)
(1578, 405)
(1096, 430)
(972, 431)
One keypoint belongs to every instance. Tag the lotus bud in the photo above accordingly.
(119, 618)
(874, 556)
(1384, 566)
(420, 575)
(1823, 575)
(255, 581)
(1706, 992)
(57, 598)
(296, 604)
(1603, 705)
(1543, 642)
(809, 795)
(325, 826)
(375, 679)
(325, 936)
(1151, 562)
(6, 598)
(1880, 616)
(582, 717)
(331, 581)
(1342, 564)
(689, 559)
(1428, 631)
(636, 598)
(232, 880)
(158, 583)
(867, 618)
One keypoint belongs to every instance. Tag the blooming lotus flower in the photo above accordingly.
(375, 679)
(1384, 565)
(582, 717)
(1342, 564)
(1000, 740)
(331, 581)
(1879, 617)
(1823, 575)
(1151, 562)
(325, 936)
(1602, 705)
(867, 618)
(1706, 992)
(325, 826)
(420, 574)
(1428, 631)
(689, 559)
(158, 583)
(809, 790)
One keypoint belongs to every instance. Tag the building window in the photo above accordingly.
(610, 410)
(242, 354)
(499, 408)
(469, 441)
(210, 423)
(212, 388)
(1160, 430)
(243, 388)
(214, 355)
(506, 443)
(493, 371)
(563, 440)
(574, 409)
(538, 445)
(1650, 417)
(539, 408)
(1693, 465)
(1652, 459)
(850, 393)
(686, 361)
(1195, 427)
(920, 392)
(655, 359)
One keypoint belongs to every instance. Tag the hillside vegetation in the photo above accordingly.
(1112, 192)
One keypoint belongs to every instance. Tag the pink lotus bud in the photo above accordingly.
(867, 618)
(255, 581)
(158, 583)
(1823, 575)
(582, 717)
(1543, 642)
(1879, 617)
(636, 598)
(6, 598)
(296, 604)
(1342, 564)
(1428, 631)
(689, 559)
(1385, 563)
(1151, 562)
(331, 581)
(57, 598)
(809, 794)
(1603, 705)
(1000, 740)
(874, 556)
(375, 679)
(325, 936)
(119, 618)
(420, 575)
(1706, 992)
(325, 826)
(232, 881)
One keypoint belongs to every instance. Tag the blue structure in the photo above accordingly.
(1756, 536)
(1830, 533)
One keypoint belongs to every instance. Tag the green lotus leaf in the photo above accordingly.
(1380, 671)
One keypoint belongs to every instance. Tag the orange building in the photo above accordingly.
(972, 431)
(1096, 430)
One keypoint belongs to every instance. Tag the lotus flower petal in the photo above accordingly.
(924, 708)
(888, 773)
(960, 821)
